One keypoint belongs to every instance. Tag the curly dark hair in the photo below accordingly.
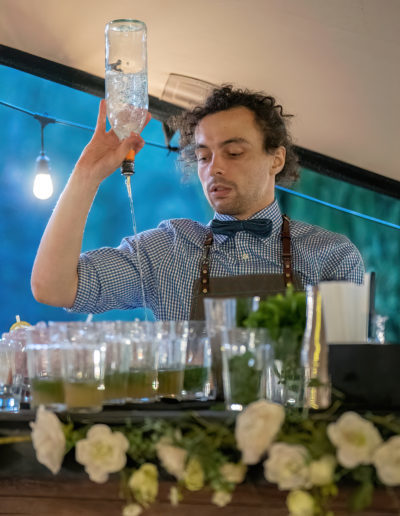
(269, 116)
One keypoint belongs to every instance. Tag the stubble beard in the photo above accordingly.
(233, 207)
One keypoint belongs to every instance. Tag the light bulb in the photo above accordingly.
(43, 186)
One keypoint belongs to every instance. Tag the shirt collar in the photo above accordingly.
(271, 211)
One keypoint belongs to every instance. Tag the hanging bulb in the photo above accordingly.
(43, 183)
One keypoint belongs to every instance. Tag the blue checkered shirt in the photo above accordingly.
(170, 255)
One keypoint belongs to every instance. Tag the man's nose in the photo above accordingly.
(216, 166)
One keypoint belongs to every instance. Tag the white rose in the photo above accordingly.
(300, 503)
(322, 470)
(386, 460)
(221, 498)
(102, 452)
(355, 438)
(48, 439)
(256, 428)
(144, 483)
(133, 509)
(287, 466)
(172, 458)
(175, 496)
(232, 472)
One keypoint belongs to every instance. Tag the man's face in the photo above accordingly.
(237, 174)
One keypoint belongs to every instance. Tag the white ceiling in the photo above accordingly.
(334, 64)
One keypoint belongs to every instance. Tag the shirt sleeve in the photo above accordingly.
(111, 278)
(344, 264)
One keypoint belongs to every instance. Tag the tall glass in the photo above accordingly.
(224, 314)
(246, 358)
(84, 369)
(197, 382)
(171, 341)
(9, 392)
(126, 76)
(139, 352)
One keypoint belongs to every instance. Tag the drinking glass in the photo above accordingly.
(83, 370)
(223, 314)
(10, 393)
(18, 341)
(115, 369)
(246, 358)
(43, 352)
(197, 382)
(139, 359)
(45, 375)
(171, 340)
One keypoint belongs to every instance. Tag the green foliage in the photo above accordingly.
(281, 313)
(244, 378)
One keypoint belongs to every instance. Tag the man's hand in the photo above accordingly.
(105, 152)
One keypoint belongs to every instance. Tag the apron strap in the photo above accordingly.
(286, 254)
(286, 257)
(205, 264)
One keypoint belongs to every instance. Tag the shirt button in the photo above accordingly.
(245, 256)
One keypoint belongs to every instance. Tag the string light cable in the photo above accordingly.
(44, 119)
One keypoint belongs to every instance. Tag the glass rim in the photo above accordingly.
(138, 23)
(37, 346)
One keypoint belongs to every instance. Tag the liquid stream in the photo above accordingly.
(128, 187)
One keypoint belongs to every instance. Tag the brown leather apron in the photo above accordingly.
(262, 285)
(243, 285)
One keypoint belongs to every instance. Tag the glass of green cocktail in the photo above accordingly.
(197, 383)
(171, 340)
(44, 360)
(246, 359)
(83, 369)
(139, 361)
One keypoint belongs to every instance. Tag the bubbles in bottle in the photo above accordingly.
(127, 101)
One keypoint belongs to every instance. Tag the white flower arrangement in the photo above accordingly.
(102, 452)
(355, 439)
(144, 484)
(48, 440)
(172, 458)
(133, 509)
(288, 466)
(221, 498)
(386, 460)
(300, 503)
(304, 456)
(322, 470)
(256, 428)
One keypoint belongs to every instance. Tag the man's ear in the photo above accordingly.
(279, 160)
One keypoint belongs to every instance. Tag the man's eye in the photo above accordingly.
(201, 158)
(235, 154)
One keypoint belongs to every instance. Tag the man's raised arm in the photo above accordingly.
(54, 278)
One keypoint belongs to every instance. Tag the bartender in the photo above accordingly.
(242, 147)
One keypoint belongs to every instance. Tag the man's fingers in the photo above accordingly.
(102, 117)
(148, 118)
(135, 142)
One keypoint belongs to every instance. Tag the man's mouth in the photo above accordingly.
(219, 190)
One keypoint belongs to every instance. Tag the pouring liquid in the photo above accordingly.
(129, 189)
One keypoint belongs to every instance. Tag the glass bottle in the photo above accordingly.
(314, 354)
(126, 76)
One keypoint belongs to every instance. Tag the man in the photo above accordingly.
(241, 144)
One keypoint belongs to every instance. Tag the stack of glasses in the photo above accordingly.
(80, 367)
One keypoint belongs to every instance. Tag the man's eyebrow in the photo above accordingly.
(225, 142)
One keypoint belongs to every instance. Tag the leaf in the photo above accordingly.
(362, 474)
(362, 497)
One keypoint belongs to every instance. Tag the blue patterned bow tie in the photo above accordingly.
(260, 227)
